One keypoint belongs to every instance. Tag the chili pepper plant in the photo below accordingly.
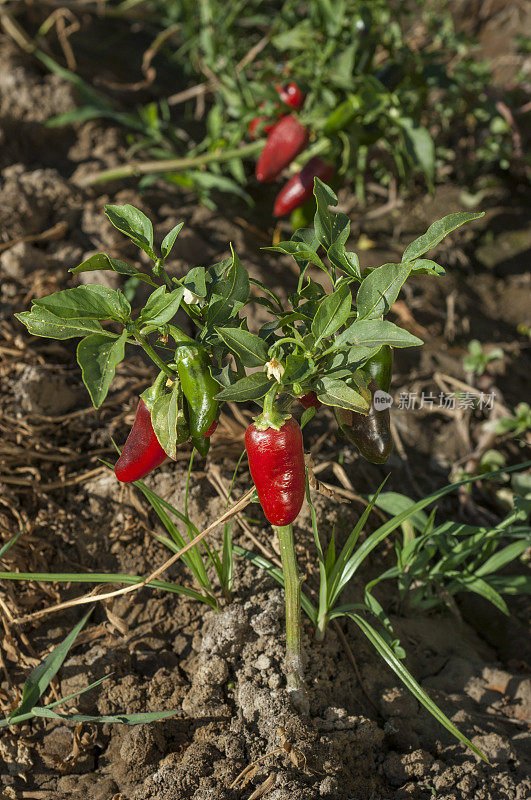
(330, 344)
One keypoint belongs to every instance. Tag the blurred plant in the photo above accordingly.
(383, 82)
(477, 359)
(517, 424)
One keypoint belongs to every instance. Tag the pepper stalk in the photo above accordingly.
(292, 587)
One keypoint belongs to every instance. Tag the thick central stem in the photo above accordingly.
(292, 587)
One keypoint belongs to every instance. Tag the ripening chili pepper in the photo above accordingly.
(291, 94)
(276, 462)
(380, 367)
(141, 452)
(299, 188)
(310, 400)
(287, 139)
(371, 433)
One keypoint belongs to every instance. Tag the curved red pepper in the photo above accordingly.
(276, 462)
(142, 452)
(310, 400)
(291, 95)
(287, 139)
(299, 189)
(211, 430)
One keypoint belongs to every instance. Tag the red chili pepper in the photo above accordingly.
(310, 400)
(287, 139)
(142, 452)
(291, 95)
(276, 462)
(211, 430)
(299, 189)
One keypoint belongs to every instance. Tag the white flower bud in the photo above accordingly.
(274, 369)
(192, 299)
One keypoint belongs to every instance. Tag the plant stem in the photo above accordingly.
(154, 356)
(269, 401)
(171, 164)
(292, 587)
(320, 628)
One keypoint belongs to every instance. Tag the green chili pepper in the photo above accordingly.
(342, 115)
(380, 367)
(199, 388)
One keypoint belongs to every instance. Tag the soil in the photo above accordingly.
(366, 736)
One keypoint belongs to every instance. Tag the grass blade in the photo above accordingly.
(105, 577)
(409, 681)
(42, 675)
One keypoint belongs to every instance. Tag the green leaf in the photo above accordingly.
(376, 333)
(424, 266)
(250, 349)
(437, 232)
(478, 586)
(346, 261)
(297, 369)
(230, 294)
(169, 240)
(86, 302)
(330, 228)
(345, 362)
(394, 503)
(501, 558)
(42, 675)
(252, 387)
(165, 420)
(195, 282)
(162, 306)
(511, 584)
(380, 289)
(106, 577)
(307, 415)
(299, 250)
(6, 547)
(420, 147)
(341, 571)
(98, 357)
(41, 322)
(335, 392)
(134, 224)
(101, 261)
(409, 681)
(332, 314)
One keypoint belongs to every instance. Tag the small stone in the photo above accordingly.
(263, 662)
(329, 787)
(275, 681)
(21, 259)
(497, 749)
